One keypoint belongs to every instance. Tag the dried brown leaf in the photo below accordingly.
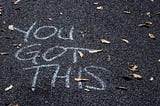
(3, 53)
(11, 27)
(151, 79)
(95, 51)
(120, 87)
(87, 89)
(148, 14)
(16, 1)
(152, 36)
(146, 24)
(81, 79)
(105, 41)
(158, 13)
(80, 54)
(82, 33)
(125, 40)
(99, 8)
(13, 105)
(127, 12)
(9, 88)
(133, 67)
(17, 45)
(50, 19)
(1, 10)
(137, 76)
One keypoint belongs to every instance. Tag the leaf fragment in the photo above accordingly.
(121, 87)
(133, 67)
(105, 41)
(11, 27)
(146, 24)
(127, 12)
(99, 8)
(13, 105)
(95, 51)
(86, 89)
(1, 10)
(9, 88)
(80, 79)
(50, 19)
(16, 1)
(82, 33)
(80, 54)
(3, 53)
(151, 79)
(152, 36)
(137, 76)
(17, 45)
(95, 3)
(158, 13)
(148, 14)
(125, 40)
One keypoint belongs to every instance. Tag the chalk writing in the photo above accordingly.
(44, 55)
(32, 52)
(56, 31)
(67, 76)
(26, 34)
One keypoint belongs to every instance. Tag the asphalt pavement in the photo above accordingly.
(79, 52)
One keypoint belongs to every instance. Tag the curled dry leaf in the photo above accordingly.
(126, 12)
(109, 58)
(81, 79)
(151, 79)
(133, 67)
(120, 87)
(99, 8)
(125, 40)
(3, 53)
(13, 105)
(9, 88)
(11, 27)
(158, 13)
(80, 54)
(4, 22)
(82, 33)
(152, 36)
(16, 1)
(86, 89)
(146, 24)
(1, 10)
(50, 19)
(17, 45)
(95, 3)
(137, 76)
(148, 14)
(105, 41)
(95, 51)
